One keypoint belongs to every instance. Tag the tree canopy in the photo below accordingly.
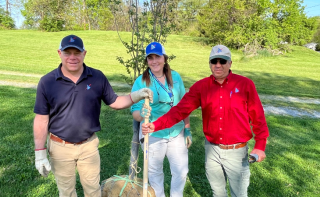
(6, 21)
(268, 22)
(236, 23)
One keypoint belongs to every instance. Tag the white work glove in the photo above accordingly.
(142, 94)
(145, 111)
(42, 163)
(187, 137)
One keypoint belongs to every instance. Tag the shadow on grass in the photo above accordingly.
(272, 84)
(18, 175)
(292, 163)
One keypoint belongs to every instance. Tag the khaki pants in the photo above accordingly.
(65, 158)
(222, 165)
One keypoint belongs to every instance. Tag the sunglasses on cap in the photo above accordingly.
(215, 61)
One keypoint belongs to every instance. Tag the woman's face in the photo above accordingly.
(156, 63)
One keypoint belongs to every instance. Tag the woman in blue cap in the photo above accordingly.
(168, 89)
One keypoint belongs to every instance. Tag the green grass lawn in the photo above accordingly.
(292, 166)
(293, 74)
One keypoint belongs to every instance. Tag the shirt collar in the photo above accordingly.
(225, 80)
(86, 71)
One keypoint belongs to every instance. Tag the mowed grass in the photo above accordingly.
(292, 166)
(292, 74)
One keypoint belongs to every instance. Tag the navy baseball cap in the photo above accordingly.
(155, 48)
(71, 41)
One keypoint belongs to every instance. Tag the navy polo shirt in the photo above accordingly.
(73, 108)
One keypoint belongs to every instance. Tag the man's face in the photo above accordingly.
(72, 59)
(220, 71)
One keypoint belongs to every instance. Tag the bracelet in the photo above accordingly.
(40, 149)
(131, 98)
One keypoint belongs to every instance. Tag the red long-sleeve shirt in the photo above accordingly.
(228, 111)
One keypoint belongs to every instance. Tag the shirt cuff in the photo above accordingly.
(157, 125)
(261, 144)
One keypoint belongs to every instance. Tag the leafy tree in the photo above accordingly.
(99, 14)
(316, 36)
(148, 22)
(183, 16)
(229, 21)
(48, 15)
(237, 23)
(6, 22)
(57, 15)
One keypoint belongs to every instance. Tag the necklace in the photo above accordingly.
(161, 76)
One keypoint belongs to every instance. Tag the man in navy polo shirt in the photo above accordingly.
(67, 108)
(230, 107)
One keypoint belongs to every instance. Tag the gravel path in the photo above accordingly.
(290, 111)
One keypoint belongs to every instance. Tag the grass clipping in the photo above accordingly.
(123, 186)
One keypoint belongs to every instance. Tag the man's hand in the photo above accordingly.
(142, 94)
(145, 111)
(147, 128)
(42, 163)
(260, 153)
(187, 137)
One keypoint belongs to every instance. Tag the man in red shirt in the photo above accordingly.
(231, 111)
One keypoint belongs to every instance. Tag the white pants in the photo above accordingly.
(177, 153)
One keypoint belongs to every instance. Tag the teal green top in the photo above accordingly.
(162, 107)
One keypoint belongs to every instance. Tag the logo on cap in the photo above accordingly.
(219, 50)
(71, 40)
(153, 47)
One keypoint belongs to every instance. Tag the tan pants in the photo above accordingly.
(65, 158)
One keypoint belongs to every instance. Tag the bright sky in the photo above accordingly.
(312, 9)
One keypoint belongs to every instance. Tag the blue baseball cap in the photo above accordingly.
(155, 48)
(71, 41)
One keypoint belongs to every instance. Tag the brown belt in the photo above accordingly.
(234, 146)
(57, 139)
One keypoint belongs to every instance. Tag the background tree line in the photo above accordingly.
(236, 23)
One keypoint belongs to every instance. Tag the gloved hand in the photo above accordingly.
(145, 111)
(187, 137)
(142, 94)
(42, 163)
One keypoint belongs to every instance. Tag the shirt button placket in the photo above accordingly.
(220, 114)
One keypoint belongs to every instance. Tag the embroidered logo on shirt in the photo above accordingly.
(236, 90)
(71, 40)
(230, 94)
(152, 47)
(219, 50)
(88, 87)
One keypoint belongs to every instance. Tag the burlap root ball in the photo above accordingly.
(124, 187)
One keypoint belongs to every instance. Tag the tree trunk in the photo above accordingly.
(7, 7)
(84, 13)
(134, 150)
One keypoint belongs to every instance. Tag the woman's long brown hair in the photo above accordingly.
(166, 71)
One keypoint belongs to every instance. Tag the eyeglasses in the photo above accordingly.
(215, 61)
